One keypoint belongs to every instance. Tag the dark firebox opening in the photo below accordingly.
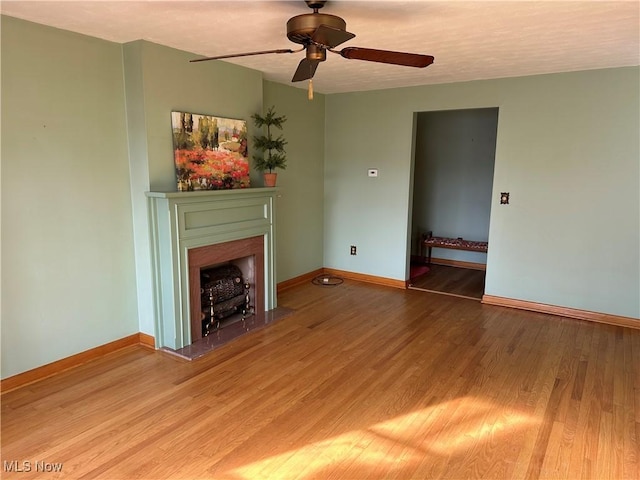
(226, 294)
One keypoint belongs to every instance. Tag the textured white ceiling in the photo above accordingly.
(471, 40)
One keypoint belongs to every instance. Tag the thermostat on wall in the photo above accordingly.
(372, 172)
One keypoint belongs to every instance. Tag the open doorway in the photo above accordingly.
(452, 188)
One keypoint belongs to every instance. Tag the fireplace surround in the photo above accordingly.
(192, 230)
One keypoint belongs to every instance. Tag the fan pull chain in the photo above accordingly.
(310, 92)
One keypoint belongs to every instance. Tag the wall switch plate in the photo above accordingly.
(372, 172)
(504, 198)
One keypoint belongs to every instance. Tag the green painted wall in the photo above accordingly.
(170, 82)
(567, 151)
(300, 202)
(68, 279)
(159, 80)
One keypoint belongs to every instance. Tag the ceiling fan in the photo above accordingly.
(319, 33)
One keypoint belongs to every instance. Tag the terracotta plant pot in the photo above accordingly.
(270, 179)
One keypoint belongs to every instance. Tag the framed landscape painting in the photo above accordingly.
(210, 153)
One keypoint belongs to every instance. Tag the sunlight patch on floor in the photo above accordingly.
(401, 442)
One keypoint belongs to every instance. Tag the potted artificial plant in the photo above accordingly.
(272, 149)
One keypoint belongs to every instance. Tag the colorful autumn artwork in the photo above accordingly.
(210, 153)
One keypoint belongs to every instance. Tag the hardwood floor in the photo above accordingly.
(464, 282)
(361, 381)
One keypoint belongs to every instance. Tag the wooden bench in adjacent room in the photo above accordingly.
(429, 241)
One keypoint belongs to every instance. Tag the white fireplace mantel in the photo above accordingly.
(180, 221)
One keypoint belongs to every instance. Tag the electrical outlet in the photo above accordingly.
(353, 250)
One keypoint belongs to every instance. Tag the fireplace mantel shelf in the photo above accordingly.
(182, 221)
(212, 193)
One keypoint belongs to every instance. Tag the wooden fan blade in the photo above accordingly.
(330, 36)
(233, 55)
(387, 56)
(306, 70)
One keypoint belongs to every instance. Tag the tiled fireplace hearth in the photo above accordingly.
(195, 230)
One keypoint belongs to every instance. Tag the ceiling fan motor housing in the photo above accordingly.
(316, 53)
(301, 27)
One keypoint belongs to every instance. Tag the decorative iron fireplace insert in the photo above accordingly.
(224, 294)
(245, 257)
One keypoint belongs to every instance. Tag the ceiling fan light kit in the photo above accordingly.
(321, 32)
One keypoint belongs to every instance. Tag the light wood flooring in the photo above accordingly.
(464, 282)
(360, 382)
